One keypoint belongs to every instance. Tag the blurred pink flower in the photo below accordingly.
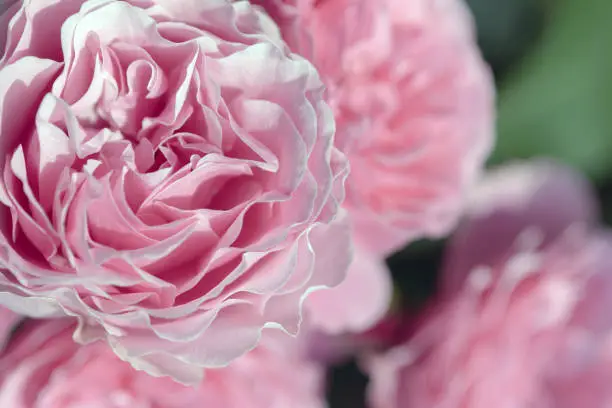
(414, 105)
(44, 368)
(414, 108)
(545, 197)
(525, 327)
(168, 177)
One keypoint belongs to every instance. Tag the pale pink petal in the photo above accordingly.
(356, 304)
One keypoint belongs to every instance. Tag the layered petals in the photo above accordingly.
(171, 180)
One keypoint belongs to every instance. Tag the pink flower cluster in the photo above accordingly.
(197, 198)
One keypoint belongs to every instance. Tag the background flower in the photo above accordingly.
(527, 326)
(170, 178)
(413, 103)
(541, 196)
(44, 368)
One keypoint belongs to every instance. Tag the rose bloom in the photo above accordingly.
(42, 367)
(526, 327)
(168, 177)
(413, 102)
(541, 195)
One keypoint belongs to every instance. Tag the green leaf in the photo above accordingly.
(506, 29)
(558, 102)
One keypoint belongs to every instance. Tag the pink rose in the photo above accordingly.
(44, 368)
(414, 106)
(541, 195)
(526, 327)
(168, 177)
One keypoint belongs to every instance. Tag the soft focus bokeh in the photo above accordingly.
(552, 61)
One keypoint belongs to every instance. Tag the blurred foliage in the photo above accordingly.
(605, 196)
(415, 271)
(347, 386)
(558, 101)
(506, 29)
